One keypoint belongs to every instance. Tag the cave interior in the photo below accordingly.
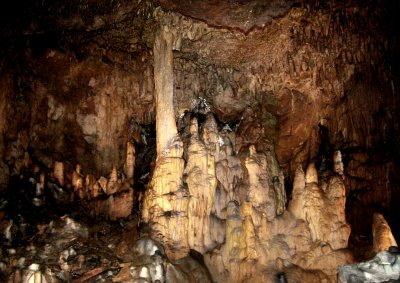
(199, 141)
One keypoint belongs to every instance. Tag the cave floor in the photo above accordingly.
(48, 234)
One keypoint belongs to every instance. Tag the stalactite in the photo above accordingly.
(166, 130)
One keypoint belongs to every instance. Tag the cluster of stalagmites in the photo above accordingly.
(231, 207)
(111, 197)
(234, 212)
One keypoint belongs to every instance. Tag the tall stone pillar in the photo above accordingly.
(166, 201)
(164, 90)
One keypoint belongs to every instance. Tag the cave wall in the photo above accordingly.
(324, 60)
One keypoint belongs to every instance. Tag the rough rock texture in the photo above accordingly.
(382, 234)
(166, 200)
(384, 267)
(259, 91)
(202, 183)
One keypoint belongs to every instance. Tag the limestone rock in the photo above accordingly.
(166, 200)
(114, 206)
(202, 183)
(120, 204)
(382, 268)
(166, 204)
(322, 257)
(259, 193)
(382, 234)
(324, 210)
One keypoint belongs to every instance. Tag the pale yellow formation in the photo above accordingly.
(259, 193)
(202, 184)
(322, 209)
(164, 87)
(166, 204)
(166, 200)
(337, 163)
(299, 184)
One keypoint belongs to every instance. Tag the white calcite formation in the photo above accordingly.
(384, 267)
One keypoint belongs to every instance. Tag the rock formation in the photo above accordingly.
(384, 267)
(166, 200)
(242, 137)
(382, 234)
(202, 183)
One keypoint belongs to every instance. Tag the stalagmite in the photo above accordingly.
(91, 186)
(337, 163)
(202, 184)
(311, 174)
(299, 184)
(324, 210)
(130, 160)
(40, 185)
(166, 200)
(103, 184)
(382, 234)
(59, 172)
(280, 194)
(113, 183)
(259, 193)
(77, 181)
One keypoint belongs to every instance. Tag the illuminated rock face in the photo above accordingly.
(202, 183)
(166, 200)
(382, 234)
(233, 209)
(311, 234)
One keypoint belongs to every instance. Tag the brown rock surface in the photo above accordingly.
(382, 234)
